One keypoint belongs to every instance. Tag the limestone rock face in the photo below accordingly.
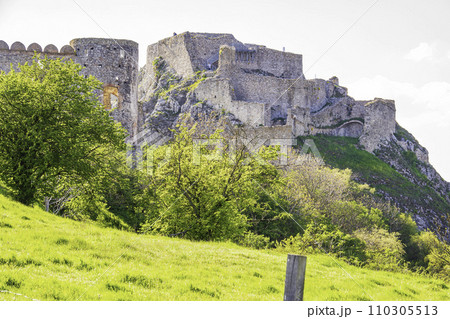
(419, 172)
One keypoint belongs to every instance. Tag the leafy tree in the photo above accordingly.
(432, 255)
(52, 128)
(202, 186)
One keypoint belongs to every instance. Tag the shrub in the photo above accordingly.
(384, 250)
(434, 254)
(329, 239)
(252, 240)
(350, 216)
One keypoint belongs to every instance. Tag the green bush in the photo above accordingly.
(384, 250)
(252, 240)
(319, 238)
(350, 216)
(434, 255)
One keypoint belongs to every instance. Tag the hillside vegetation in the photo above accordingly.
(46, 257)
(343, 152)
(205, 184)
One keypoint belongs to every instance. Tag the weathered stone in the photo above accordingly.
(115, 64)
(3, 45)
(334, 80)
(67, 49)
(50, 48)
(34, 47)
(379, 123)
(17, 46)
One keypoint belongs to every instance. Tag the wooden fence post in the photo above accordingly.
(295, 278)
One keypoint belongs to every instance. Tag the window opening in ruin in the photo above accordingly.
(110, 97)
(214, 66)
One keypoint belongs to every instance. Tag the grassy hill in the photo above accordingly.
(343, 152)
(46, 257)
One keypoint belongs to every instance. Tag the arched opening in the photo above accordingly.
(110, 97)
(352, 128)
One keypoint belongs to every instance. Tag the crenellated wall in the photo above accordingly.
(17, 53)
(113, 62)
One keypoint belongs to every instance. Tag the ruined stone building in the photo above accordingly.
(261, 87)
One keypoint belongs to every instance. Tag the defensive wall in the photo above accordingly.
(113, 62)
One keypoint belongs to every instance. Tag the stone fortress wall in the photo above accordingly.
(18, 53)
(267, 88)
(113, 62)
(190, 52)
(261, 87)
(278, 99)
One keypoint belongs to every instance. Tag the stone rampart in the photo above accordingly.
(17, 53)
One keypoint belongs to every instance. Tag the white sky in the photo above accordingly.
(400, 49)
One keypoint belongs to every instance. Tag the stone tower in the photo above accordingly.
(115, 63)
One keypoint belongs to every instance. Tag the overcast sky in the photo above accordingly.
(397, 49)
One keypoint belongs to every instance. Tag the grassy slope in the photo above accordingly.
(50, 258)
(341, 152)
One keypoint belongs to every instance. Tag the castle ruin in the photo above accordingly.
(261, 87)
(113, 62)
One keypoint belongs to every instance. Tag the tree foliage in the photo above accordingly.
(202, 186)
(52, 129)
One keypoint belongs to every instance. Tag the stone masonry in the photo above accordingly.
(113, 62)
(260, 87)
(266, 88)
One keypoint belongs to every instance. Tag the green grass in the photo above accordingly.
(343, 152)
(46, 257)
